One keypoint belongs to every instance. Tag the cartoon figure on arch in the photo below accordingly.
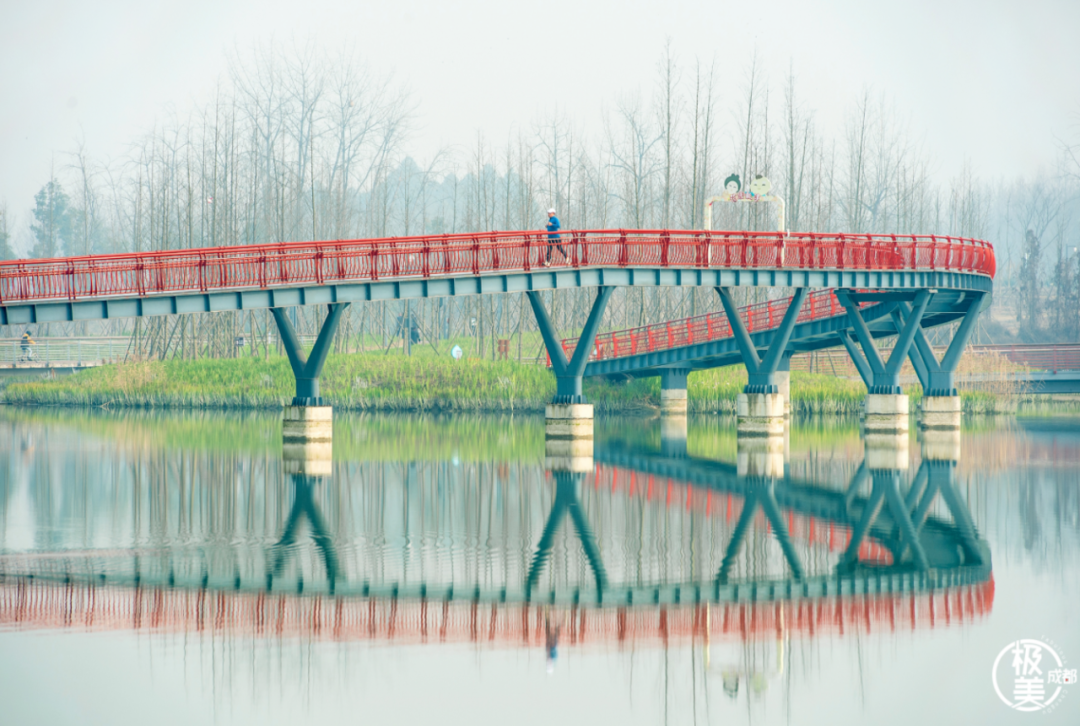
(732, 189)
(760, 190)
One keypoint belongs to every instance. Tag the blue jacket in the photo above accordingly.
(553, 226)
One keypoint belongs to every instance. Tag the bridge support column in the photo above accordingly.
(673, 399)
(308, 421)
(940, 404)
(569, 424)
(761, 407)
(886, 404)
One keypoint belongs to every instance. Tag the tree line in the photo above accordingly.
(297, 143)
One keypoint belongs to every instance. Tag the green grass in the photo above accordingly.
(423, 382)
(357, 436)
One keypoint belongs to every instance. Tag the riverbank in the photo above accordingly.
(376, 382)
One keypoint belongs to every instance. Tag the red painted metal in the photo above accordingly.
(706, 328)
(86, 607)
(1052, 357)
(222, 269)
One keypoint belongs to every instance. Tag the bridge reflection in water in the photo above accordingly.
(647, 546)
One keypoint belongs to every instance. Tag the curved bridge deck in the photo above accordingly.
(303, 273)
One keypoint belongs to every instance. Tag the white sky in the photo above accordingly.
(992, 82)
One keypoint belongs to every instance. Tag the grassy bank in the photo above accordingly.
(375, 382)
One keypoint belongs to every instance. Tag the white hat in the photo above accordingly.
(551, 211)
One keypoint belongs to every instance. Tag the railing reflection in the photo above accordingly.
(850, 560)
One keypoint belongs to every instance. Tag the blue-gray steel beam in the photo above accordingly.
(869, 514)
(738, 536)
(808, 336)
(863, 582)
(761, 372)
(889, 481)
(937, 540)
(568, 374)
(304, 506)
(857, 358)
(940, 376)
(767, 501)
(566, 502)
(135, 306)
(884, 376)
(307, 369)
(921, 371)
(942, 473)
(857, 480)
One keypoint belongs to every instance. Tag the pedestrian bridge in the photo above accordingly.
(876, 286)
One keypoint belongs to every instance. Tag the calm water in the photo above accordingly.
(167, 569)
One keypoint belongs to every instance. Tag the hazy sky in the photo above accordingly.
(993, 82)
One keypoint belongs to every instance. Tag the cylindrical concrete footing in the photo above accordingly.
(760, 456)
(887, 450)
(940, 412)
(307, 434)
(568, 436)
(886, 413)
(308, 423)
(760, 414)
(673, 402)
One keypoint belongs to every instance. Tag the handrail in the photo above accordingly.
(706, 328)
(221, 269)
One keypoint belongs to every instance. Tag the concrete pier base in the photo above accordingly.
(941, 444)
(887, 450)
(307, 434)
(673, 402)
(760, 414)
(308, 423)
(783, 386)
(761, 456)
(886, 413)
(940, 412)
(568, 436)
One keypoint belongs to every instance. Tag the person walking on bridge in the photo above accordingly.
(554, 240)
(27, 351)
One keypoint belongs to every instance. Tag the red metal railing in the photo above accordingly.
(1054, 357)
(705, 328)
(317, 263)
(86, 607)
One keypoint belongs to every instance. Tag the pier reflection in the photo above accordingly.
(648, 544)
